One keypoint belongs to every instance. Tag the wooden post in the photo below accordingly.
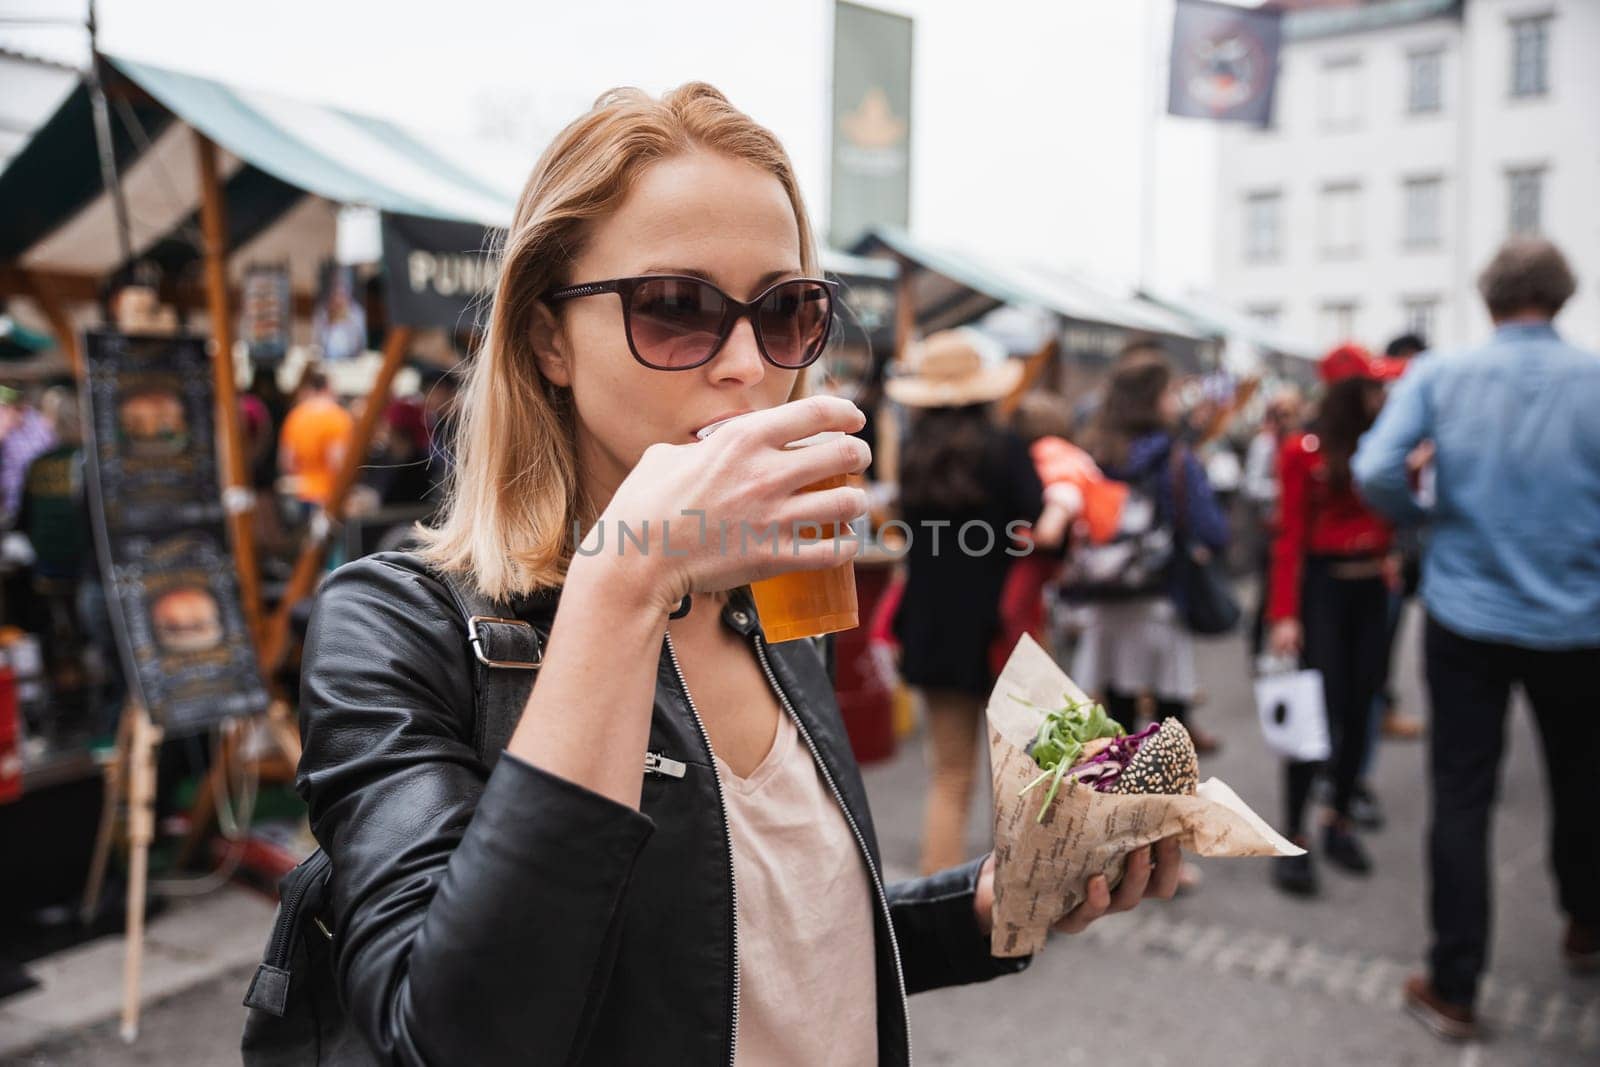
(303, 580)
(55, 313)
(1032, 371)
(146, 738)
(114, 773)
(237, 496)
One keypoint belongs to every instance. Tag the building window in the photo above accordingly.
(1530, 56)
(1424, 93)
(1337, 321)
(1423, 204)
(1525, 199)
(1266, 314)
(1422, 316)
(1262, 227)
(1341, 220)
(1341, 94)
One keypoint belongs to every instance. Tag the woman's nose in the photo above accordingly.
(740, 358)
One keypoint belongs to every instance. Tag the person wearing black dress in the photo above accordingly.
(966, 486)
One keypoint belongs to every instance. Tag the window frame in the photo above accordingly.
(1543, 21)
(1540, 172)
(1408, 240)
(1357, 230)
(1419, 53)
(1274, 252)
(1327, 120)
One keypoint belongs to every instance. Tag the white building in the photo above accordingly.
(1411, 137)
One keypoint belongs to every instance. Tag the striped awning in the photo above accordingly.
(287, 167)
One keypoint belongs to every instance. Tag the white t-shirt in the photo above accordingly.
(807, 977)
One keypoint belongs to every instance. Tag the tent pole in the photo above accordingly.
(237, 496)
(303, 581)
(102, 137)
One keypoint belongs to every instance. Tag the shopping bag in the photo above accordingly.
(1294, 719)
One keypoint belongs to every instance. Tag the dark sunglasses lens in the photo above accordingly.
(675, 322)
(793, 321)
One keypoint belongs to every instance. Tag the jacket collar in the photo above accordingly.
(1526, 331)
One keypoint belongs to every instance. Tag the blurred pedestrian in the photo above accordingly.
(1044, 423)
(313, 441)
(1133, 640)
(1329, 602)
(25, 434)
(963, 480)
(1282, 416)
(1512, 591)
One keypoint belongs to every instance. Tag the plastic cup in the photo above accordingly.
(808, 603)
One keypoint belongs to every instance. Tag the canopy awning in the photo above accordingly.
(952, 288)
(287, 166)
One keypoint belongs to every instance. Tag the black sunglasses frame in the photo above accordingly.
(734, 310)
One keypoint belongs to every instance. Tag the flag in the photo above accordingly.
(1224, 62)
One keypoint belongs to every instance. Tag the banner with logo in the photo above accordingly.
(1224, 63)
(437, 273)
(159, 527)
(871, 176)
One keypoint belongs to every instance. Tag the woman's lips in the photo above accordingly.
(709, 428)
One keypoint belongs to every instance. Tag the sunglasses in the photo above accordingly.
(678, 322)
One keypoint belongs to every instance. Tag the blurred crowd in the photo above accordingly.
(1470, 479)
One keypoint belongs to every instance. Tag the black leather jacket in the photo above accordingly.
(505, 915)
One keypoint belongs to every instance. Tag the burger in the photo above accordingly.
(1080, 742)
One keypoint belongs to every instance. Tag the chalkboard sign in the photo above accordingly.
(160, 533)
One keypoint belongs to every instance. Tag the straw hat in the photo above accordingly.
(953, 369)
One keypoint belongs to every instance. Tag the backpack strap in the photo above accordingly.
(506, 653)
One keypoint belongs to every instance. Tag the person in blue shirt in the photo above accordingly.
(1510, 434)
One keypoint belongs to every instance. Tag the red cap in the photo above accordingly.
(1351, 360)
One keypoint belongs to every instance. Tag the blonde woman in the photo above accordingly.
(659, 276)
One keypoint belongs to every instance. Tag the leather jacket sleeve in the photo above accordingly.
(474, 912)
(940, 943)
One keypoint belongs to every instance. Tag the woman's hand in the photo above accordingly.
(729, 509)
(1150, 872)
(1287, 638)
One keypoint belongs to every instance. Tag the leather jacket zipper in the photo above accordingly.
(861, 841)
(727, 834)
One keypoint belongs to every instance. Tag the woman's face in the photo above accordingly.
(701, 214)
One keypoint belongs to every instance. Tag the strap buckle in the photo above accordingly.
(475, 637)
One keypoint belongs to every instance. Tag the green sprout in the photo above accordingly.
(1060, 740)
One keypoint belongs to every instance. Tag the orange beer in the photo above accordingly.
(809, 603)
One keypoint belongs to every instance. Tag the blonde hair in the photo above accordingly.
(514, 494)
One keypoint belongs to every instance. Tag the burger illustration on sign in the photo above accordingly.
(186, 619)
(152, 422)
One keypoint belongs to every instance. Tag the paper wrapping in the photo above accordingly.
(1042, 869)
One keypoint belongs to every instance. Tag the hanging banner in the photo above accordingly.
(1224, 63)
(437, 273)
(871, 175)
(264, 320)
(159, 528)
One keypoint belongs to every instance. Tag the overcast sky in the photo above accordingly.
(1029, 118)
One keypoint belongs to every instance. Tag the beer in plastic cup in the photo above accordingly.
(808, 603)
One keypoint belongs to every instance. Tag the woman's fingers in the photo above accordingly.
(1136, 877)
(796, 420)
(1168, 864)
(1093, 907)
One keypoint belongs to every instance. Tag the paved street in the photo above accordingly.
(1234, 975)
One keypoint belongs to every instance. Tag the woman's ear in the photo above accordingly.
(550, 346)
